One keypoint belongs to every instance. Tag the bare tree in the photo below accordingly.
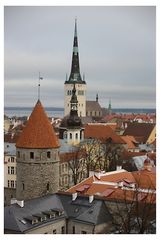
(77, 165)
(112, 154)
(94, 155)
(135, 213)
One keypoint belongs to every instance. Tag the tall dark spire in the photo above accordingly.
(75, 75)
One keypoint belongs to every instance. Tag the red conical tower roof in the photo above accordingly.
(38, 132)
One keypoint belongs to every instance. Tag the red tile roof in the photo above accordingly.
(102, 132)
(130, 140)
(38, 132)
(105, 187)
(141, 131)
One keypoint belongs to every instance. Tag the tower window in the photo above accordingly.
(31, 155)
(18, 154)
(48, 154)
(12, 170)
(76, 135)
(48, 186)
(12, 184)
(70, 135)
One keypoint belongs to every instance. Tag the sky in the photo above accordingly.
(117, 51)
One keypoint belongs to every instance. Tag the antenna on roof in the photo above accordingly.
(40, 78)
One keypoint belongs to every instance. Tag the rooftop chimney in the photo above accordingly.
(91, 198)
(74, 196)
(20, 203)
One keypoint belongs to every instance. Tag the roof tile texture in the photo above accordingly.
(102, 132)
(38, 132)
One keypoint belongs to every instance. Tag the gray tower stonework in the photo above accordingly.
(37, 157)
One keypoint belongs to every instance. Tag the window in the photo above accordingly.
(8, 183)
(31, 155)
(70, 135)
(8, 159)
(18, 154)
(12, 159)
(76, 135)
(15, 184)
(8, 170)
(48, 154)
(66, 180)
(12, 184)
(22, 186)
(63, 230)
(48, 186)
(83, 232)
(12, 170)
(54, 231)
(73, 229)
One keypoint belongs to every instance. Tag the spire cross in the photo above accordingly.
(40, 78)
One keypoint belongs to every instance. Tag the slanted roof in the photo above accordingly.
(109, 185)
(19, 219)
(93, 106)
(38, 132)
(102, 132)
(141, 131)
(131, 141)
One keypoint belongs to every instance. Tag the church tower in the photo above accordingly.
(71, 129)
(37, 152)
(75, 78)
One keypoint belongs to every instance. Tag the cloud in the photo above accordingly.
(116, 48)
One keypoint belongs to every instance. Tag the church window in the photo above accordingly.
(48, 154)
(12, 170)
(76, 135)
(12, 184)
(31, 155)
(70, 135)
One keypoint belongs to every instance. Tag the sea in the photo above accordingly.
(59, 112)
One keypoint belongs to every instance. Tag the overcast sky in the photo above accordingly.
(116, 49)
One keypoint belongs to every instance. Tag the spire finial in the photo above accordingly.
(39, 85)
(97, 97)
(75, 30)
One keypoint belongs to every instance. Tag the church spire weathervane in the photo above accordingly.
(39, 85)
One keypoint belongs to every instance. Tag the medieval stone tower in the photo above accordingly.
(75, 78)
(37, 152)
